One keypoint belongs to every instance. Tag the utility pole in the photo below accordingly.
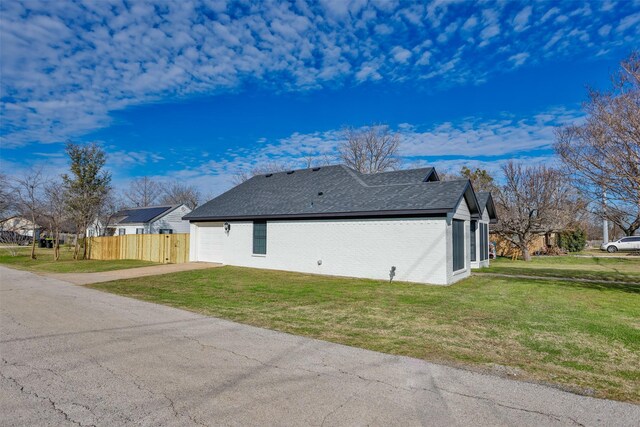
(605, 224)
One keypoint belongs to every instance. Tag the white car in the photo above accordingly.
(631, 243)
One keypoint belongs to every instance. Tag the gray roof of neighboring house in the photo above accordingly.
(142, 215)
(486, 200)
(337, 191)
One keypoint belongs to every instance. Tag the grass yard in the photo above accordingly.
(584, 337)
(66, 264)
(594, 268)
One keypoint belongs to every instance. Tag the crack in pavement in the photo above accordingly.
(311, 371)
(502, 405)
(374, 380)
(136, 381)
(51, 402)
(337, 408)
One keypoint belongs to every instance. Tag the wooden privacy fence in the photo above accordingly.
(162, 248)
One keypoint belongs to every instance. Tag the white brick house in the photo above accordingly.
(402, 225)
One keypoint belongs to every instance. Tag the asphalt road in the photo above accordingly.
(75, 356)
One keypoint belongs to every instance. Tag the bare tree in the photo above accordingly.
(602, 156)
(86, 187)
(370, 150)
(28, 193)
(107, 213)
(177, 193)
(7, 198)
(143, 192)
(55, 212)
(534, 200)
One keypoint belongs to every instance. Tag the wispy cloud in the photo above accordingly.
(66, 65)
(472, 142)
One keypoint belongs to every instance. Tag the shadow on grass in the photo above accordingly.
(633, 288)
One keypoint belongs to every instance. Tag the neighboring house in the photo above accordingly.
(20, 225)
(148, 220)
(402, 225)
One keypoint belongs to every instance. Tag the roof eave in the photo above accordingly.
(335, 215)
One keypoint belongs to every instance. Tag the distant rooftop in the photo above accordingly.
(142, 215)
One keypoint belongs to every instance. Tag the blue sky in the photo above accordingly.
(200, 90)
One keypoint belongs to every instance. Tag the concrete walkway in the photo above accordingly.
(77, 356)
(128, 273)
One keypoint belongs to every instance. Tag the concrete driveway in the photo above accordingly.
(76, 356)
(129, 273)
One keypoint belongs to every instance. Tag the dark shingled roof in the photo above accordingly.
(141, 215)
(486, 200)
(337, 191)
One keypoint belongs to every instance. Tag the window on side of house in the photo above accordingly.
(165, 231)
(458, 244)
(260, 237)
(122, 231)
(484, 242)
(472, 235)
(139, 230)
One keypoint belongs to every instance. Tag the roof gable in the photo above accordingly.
(485, 199)
(337, 190)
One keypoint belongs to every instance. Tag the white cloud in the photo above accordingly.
(66, 66)
(522, 19)
(519, 58)
(400, 54)
(474, 142)
(631, 21)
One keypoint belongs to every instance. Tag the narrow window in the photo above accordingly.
(121, 231)
(260, 237)
(166, 231)
(484, 242)
(139, 230)
(458, 244)
(472, 234)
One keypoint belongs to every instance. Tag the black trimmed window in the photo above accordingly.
(472, 235)
(165, 231)
(458, 244)
(122, 231)
(139, 230)
(484, 242)
(260, 237)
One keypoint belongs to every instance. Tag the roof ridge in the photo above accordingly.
(147, 207)
(354, 174)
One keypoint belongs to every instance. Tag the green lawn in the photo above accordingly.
(585, 337)
(66, 264)
(595, 268)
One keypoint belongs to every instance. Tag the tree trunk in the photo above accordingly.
(526, 256)
(56, 246)
(76, 249)
(33, 241)
(84, 240)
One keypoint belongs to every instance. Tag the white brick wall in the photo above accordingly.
(357, 248)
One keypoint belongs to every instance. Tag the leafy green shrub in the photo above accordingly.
(572, 240)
